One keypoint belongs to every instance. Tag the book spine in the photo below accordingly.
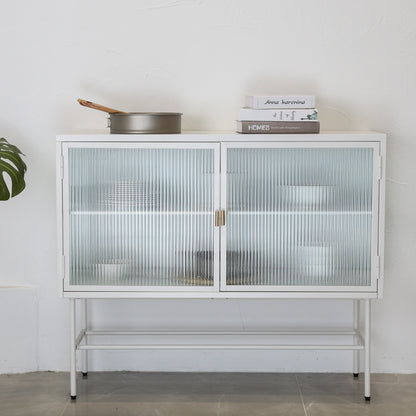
(273, 127)
(249, 114)
(280, 101)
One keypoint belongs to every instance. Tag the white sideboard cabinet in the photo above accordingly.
(220, 215)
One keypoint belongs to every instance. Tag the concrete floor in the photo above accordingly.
(199, 394)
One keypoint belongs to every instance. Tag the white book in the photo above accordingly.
(250, 114)
(280, 101)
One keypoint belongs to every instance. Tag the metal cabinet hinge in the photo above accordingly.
(62, 167)
(63, 266)
(380, 165)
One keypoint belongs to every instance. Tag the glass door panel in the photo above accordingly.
(141, 216)
(298, 216)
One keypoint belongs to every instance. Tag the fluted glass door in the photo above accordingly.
(142, 216)
(299, 216)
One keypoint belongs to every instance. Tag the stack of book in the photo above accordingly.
(278, 114)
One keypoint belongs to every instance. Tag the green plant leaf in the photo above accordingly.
(11, 164)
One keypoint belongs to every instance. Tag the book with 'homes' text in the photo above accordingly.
(282, 127)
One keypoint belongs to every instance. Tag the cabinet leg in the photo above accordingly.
(367, 327)
(72, 350)
(356, 325)
(84, 357)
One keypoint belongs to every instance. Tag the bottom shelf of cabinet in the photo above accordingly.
(82, 342)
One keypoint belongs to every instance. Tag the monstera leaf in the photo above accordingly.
(11, 164)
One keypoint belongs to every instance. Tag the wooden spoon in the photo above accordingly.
(95, 106)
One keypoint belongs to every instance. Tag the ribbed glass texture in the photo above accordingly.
(141, 217)
(299, 216)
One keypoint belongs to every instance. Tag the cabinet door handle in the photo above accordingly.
(217, 218)
(223, 217)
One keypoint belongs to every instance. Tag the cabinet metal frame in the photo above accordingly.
(361, 297)
(220, 144)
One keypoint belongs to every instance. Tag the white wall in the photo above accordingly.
(200, 58)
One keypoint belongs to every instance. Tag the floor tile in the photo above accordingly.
(406, 378)
(102, 409)
(330, 388)
(166, 408)
(221, 394)
(30, 408)
(261, 409)
(365, 409)
(39, 393)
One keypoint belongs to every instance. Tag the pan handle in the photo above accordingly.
(95, 106)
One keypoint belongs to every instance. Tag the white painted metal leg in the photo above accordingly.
(356, 326)
(367, 327)
(84, 358)
(73, 363)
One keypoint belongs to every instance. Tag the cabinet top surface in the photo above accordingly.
(213, 136)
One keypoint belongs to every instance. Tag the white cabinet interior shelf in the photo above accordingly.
(221, 216)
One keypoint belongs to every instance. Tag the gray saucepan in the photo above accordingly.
(138, 123)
